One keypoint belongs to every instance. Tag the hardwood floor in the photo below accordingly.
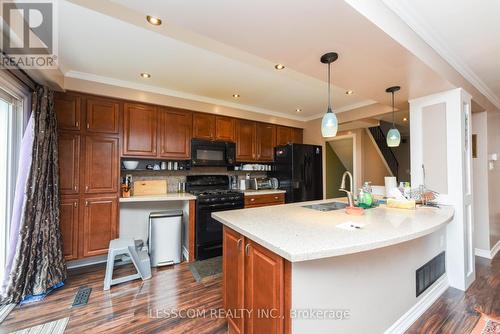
(140, 307)
(132, 307)
(456, 312)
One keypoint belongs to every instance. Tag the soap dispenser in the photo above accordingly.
(366, 196)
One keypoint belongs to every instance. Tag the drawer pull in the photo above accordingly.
(247, 249)
(239, 243)
(276, 197)
(252, 199)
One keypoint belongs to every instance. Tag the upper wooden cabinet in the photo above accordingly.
(286, 135)
(175, 133)
(101, 164)
(102, 115)
(211, 127)
(68, 222)
(245, 140)
(68, 111)
(139, 130)
(224, 128)
(265, 141)
(69, 163)
(100, 224)
(203, 126)
(297, 136)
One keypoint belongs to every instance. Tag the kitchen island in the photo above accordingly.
(296, 269)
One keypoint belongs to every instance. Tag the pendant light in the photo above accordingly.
(393, 136)
(329, 124)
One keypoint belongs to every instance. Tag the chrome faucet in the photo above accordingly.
(350, 192)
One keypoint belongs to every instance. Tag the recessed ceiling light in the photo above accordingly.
(349, 92)
(236, 96)
(153, 20)
(279, 66)
(298, 110)
(405, 119)
(145, 75)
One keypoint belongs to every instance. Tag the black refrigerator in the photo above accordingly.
(299, 170)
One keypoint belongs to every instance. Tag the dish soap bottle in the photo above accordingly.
(365, 196)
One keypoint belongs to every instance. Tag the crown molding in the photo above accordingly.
(435, 41)
(178, 94)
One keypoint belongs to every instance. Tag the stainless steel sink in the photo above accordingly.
(327, 206)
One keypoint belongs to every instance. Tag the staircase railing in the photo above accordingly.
(388, 154)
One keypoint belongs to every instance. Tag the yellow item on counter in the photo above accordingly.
(399, 204)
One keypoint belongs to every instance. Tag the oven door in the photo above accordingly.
(209, 230)
(206, 153)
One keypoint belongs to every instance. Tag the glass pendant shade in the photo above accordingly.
(329, 124)
(393, 138)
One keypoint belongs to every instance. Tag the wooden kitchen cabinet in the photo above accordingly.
(265, 138)
(139, 130)
(68, 111)
(286, 135)
(204, 126)
(101, 164)
(175, 133)
(257, 280)
(297, 136)
(69, 163)
(254, 201)
(68, 223)
(245, 140)
(100, 222)
(224, 128)
(233, 279)
(102, 115)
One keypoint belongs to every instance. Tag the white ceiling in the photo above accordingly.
(223, 47)
(466, 33)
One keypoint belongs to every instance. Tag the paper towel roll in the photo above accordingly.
(390, 183)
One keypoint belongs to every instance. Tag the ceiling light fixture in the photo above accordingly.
(393, 136)
(298, 110)
(349, 92)
(405, 119)
(145, 75)
(279, 66)
(329, 123)
(153, 20)
(236, 96)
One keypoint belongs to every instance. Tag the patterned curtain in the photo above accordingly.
(39, 262)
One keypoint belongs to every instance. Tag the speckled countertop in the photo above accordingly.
(158, 198)
(300, 234)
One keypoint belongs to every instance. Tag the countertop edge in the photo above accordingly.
(336, 252)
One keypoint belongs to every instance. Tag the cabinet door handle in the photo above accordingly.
(77, 124)
(86, 188)
(247, 249)
(86, 203)
(239, 243)
(75, 204)
(76, 187)
(88, 126)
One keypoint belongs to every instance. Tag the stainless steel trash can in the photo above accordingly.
(165, 237)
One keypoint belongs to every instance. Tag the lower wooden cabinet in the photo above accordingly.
(258, 281)
(100, 224)
(69, 210)
(254, 201)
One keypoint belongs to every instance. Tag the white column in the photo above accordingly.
(441, 139)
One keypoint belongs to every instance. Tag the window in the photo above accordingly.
(12, 104)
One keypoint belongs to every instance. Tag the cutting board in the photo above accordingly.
(150, 187)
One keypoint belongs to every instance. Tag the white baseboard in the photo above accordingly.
(403, 323)
(488, 254)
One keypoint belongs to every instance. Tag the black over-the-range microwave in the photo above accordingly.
(212, 153)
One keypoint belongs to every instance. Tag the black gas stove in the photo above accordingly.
(213, 194)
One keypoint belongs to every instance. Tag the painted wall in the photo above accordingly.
(374, 168)
(334, 170)
(480, 183)
(493, 121)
